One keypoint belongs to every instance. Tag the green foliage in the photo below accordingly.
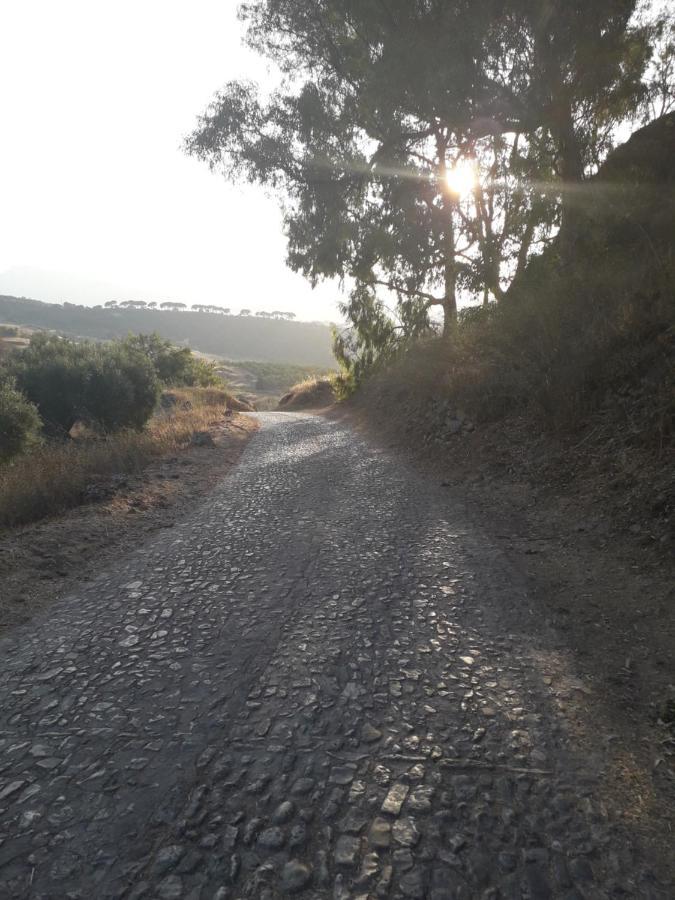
(174, 366)
(121, 388)
(374, 338)
(381, 100)
(110, 386)
(279, 377)
(52, 373)
(8, 331)
(20, 423)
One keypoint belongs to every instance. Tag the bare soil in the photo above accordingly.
(600, 600)
(40, 562)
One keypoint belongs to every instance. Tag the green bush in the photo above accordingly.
(175, 366)
(52, 373)
(19, 422)
(110, 386)
(121, 389)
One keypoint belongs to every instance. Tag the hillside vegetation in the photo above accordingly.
(73, 414)
(582, 353)
(225, 336)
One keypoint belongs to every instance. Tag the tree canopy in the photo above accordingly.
(425, 149)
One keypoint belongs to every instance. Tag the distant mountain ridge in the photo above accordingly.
(230, 337)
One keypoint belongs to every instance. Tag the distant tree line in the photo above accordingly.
(171, 306)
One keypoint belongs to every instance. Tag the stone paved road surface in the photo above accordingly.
(297, 691)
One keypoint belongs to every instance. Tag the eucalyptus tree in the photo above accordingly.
(382, 102)
(360, 139)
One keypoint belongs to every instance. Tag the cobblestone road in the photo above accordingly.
(297, 691)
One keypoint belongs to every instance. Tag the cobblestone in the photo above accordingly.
(298, 691)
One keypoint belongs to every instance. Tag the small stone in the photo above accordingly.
(230, 837)
(369, 869)
(283, 813)
(420, 799)
(353, 822)
(271, 838)
(298, 836)
(405, 832)
(340, 889)
(384, 884)
(252, 829)
(295, 876)
(303, 786)
(167, 858)
(130, 641)
(412, 884)
(456, 842)
(235, 866)
(379, 834)
(346, 850)
(382, 775)
(342, 775)
(10, 789)
(370, 734)
(395, 799)
(403, 859)
(171, 888)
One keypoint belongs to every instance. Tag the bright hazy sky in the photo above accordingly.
(95, 98)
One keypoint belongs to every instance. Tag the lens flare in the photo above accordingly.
(462, 177)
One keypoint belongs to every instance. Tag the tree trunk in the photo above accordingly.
(572, 176)
(450, 298)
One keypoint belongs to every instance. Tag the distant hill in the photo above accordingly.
(230, 337)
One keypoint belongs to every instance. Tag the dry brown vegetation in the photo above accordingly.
(312, 393)
(58, 476)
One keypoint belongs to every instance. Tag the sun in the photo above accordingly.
(462, 177)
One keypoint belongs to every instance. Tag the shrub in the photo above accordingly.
(19, 422)
(111, 386)
(175, 366)
(57, 476)
(52, 373)
(121, 389)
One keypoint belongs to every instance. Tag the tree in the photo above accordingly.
(173, 366)
(52, 373)
(659, 83)
(245, 312)
(583, 74)
(377, 115)
(383, 101)
(110, 304)
(112, 386)
(169, 305)
(121, 388)
(20, 423)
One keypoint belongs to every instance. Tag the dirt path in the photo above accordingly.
(302, 688)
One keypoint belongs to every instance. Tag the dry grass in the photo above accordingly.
(57, 476)
(312, 393)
